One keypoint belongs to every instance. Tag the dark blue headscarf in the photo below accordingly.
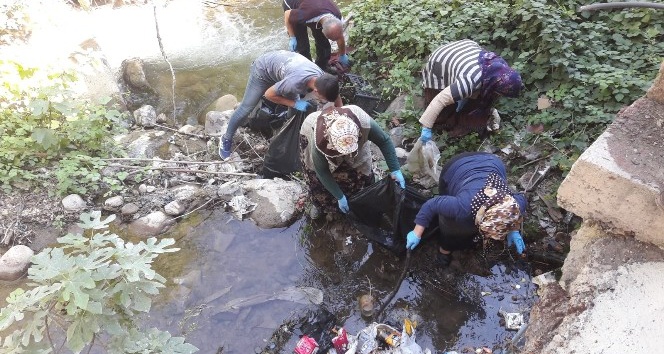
(498, 79)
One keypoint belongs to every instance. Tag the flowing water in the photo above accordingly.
(234, 288)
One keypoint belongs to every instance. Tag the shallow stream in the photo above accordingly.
(231, 286)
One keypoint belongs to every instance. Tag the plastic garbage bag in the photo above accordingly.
(422, 162)
(385, 213)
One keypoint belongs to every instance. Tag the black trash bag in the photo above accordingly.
(385, 213)
(283, 155)
(267, 117)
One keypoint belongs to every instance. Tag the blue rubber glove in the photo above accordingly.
(292, 44)
(426, 135)
(398, 176)
(301, 105)
(344, 60)
(412, 240)
(343, 204)
(514, 238)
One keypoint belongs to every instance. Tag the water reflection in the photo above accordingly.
(225, 261)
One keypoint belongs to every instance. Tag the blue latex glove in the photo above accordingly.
(398, 176)
(412, 240)
(292, 44)
(301, 105)
(344, 60)
(514, 238)
(343, 204)
(426, 135)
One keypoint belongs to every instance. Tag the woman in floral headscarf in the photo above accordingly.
(462, 82)
(474, 203)
(336, 157)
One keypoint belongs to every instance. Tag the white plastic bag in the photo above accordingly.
(423, 163)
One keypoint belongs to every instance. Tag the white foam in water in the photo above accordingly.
(192, 34)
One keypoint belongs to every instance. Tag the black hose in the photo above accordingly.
(621, 5)
(396, 288)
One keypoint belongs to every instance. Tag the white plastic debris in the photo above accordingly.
(513, 320)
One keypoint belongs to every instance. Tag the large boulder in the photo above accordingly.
(656, 91)
(619, 179)
(278, 201)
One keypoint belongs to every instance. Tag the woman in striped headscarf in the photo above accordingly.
(474, 204)
(461, 82)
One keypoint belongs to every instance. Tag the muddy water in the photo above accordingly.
(228, 271)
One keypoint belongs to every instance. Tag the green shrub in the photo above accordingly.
(44, 120)
(589, 64)
(92, 286)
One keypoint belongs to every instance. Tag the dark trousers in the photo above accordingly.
(323, 47)
(455, 235)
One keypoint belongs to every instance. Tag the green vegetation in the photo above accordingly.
(91, 290)
(588, 64)
(44, 124)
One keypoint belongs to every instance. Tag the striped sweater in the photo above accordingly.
(455, 65)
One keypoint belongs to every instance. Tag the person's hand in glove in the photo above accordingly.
(412, 240)
(344, 60)
(343, 204)
(398, 176)
(292, 44)
(301, 105)
(426, 135)
(514, 238)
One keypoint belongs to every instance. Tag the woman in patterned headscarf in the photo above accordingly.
(462, 82)
(336, 158)
(474, 203)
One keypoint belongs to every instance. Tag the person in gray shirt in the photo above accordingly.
(283, 77)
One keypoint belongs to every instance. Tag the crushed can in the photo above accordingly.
(306, 345)
(340, 341)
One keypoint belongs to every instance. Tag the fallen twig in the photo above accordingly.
(168, 161)
(163, 53)
(179, 132)
(175, 169)
(197, 208)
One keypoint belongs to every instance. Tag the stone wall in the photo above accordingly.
(608, 298)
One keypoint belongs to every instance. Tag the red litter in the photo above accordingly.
(306, 345)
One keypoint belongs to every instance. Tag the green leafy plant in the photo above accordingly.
(43, 119)
(91, 290)
(588, 64)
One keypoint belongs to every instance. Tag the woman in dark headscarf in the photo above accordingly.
(474, 204)
(462, 82)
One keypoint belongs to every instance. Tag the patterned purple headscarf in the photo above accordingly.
(498, 78)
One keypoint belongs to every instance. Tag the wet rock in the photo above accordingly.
(216, 122)
(113, 203)
(73, 203)
(277, 201)
(150, 225)
(174, 208)
(15, 262)
(146, 116)
(129, 209)
(134, 75)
